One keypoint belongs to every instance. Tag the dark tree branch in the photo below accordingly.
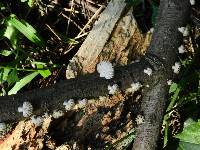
(166, 39)
(88, 86)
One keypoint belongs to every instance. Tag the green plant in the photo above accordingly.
(21, 68)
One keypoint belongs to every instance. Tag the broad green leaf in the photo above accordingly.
(12, 77)
(44, 73)
(26, 29)
(11, 34)
(5, 52)
(173, 88)
(5, 73)
(30, 2)
(21, 83)
(188, 146)
(190, 133)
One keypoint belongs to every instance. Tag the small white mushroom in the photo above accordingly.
(192, 2)
(112, 89)
(26, 109)
(57, 114)
(148, 71)
(82, 103)
(181, 49)
(69, 104)
(105, 69)
(169, 82)
(37, 120)
(176, 67)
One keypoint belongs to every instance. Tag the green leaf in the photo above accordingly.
(173, 88)
(190, 133)
(13, 77)
(5, 73)
(188, 146)
(11, 34)
(21, 83)
(44, 73)
(26, 29)
(5, 52)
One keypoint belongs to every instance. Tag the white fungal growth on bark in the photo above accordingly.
(192, 2)
(69, 104)
(148, 71)
(151, 30)
(37, 120)
(181, 49)
(134, 87)
(112, 89)
(82, 103)
(105, 69)
(176, 67)
(139, 119)
(181, 29)
(169, 82)
(57, 114)
(26, 109)
(184, 30)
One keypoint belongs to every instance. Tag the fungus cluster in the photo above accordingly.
(26, 109)
(112, 89)
(105, 69)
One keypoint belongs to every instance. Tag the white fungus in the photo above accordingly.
(181, 49)
(192, 2)
(105, 69)
(184, 30)
(139, 119)
(134, 87)
(57, 114)
(169, 82)
(69, 104)
(37, 120)
(181, 29)
(82, 103)
(26, 109)
(151, 30)
(176, 67)
(148, 71)
(112, 89)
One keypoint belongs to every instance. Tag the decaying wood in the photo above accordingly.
(108, 40)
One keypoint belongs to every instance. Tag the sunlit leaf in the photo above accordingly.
(21, 83)
(26, 29)
(190, 133)
(5, 73)
(173, 87)
(44, 73)
(5, 52)
(11, 34)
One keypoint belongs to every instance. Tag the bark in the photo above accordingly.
(163, 51)
(88, 86)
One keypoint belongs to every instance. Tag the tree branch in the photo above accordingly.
(166, 39)
(88, 86)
